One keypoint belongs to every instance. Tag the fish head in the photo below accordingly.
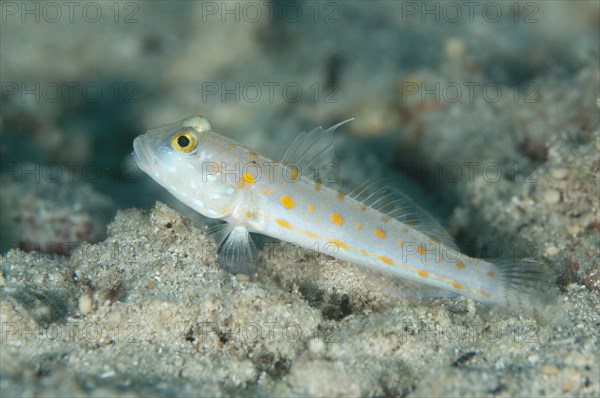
(182, 157)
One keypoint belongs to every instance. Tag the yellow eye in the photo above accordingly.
(184, 140)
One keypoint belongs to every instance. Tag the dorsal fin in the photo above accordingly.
(312, 154)
(386, 198)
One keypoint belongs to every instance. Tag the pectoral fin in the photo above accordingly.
(238, 253)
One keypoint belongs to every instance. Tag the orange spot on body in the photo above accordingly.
(421, 249)
(318, 186)
(248, 177)
(385, 218)
(363, 207)
(339, 243)
(340, 196)
(287, 201)
(336, 218)
(311, 234)
(459, 264)
(252, 154)
(265, 192)
(423, 273)
(283, 223)
(249, 214)
(490, 273)
(232, 145)
(386, 259)
(400, 243)
(311, 207)
(359, 226)
(380, 233)
(482, 293)
(457, 285)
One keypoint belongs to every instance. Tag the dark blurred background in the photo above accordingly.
(81, 80)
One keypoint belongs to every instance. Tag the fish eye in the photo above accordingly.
(184, 140)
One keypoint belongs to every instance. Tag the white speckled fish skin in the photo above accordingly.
(223, 179)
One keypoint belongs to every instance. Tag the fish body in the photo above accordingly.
(223, 179)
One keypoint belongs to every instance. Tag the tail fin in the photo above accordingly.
(526, 288)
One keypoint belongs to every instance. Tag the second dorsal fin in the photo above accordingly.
(312, 154)
(386, 198)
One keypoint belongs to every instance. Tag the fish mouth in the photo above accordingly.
(142, 157)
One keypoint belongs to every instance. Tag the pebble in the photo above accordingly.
(558, 174)
(316, 346)
(551, 250)
(534, 358)
(579, 360)
(574, 229)
(552, 196)
(86, 304)
(567, 385)
(549, 370)
(114, 316)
